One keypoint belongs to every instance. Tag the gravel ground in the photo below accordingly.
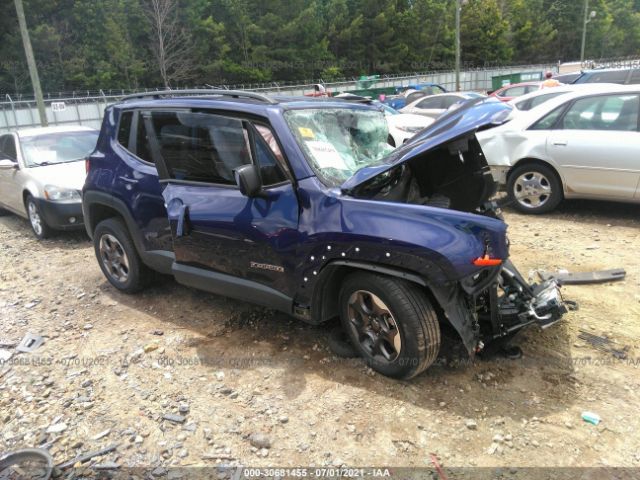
(254, 387)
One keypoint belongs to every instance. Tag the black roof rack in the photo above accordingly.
(202, 91)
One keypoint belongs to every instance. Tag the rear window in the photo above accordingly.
(124, 128)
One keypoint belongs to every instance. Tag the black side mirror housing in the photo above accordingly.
(249, 181)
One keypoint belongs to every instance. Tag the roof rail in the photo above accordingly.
(202, 91)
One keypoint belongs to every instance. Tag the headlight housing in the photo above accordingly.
(61, 195)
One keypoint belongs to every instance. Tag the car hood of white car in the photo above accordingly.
(65, 175)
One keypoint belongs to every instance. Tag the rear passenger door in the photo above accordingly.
(596, 143)
(222, 239)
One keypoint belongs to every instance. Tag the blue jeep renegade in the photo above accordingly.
(301, 205)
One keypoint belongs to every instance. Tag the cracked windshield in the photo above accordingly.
(339, 142)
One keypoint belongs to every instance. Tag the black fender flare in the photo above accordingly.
(450, 297)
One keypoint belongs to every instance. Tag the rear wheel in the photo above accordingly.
(118, 258)
(534, 188)
(37, 222)
(391, 323)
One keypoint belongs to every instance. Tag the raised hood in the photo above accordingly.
(472, 116)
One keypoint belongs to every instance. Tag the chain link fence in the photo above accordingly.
(86, 108)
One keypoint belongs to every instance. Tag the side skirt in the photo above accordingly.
(230, 286)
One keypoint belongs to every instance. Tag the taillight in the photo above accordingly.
(86, 165)
(487, 261)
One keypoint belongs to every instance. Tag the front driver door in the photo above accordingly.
(224, 241)
(596, 144)
(10, 186)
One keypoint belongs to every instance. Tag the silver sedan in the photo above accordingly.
(583, 144)
(42, 172)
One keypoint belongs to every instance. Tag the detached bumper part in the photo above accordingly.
(547, 306)
(510, 304)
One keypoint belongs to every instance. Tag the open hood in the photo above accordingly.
(472, 116)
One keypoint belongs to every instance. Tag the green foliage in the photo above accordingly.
(107, 44)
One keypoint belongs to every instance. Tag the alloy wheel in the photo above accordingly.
(34, 218)
(376, 329)
(114, 258)
(532, 190)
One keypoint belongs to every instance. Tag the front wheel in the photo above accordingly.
(36, 220)
(534, 188)
(391, 323)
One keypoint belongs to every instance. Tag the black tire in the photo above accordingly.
(540, 174)
(113, 232)
(340, 344)
(36, 221)
(408, 306)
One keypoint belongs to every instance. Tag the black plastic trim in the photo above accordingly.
(230, 286)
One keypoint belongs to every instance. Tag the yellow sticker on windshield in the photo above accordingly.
(306, 132)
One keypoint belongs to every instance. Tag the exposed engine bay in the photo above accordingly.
(454, 176)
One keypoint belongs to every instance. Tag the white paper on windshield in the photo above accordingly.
(326, 155)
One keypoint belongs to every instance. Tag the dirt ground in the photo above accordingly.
(114, 364)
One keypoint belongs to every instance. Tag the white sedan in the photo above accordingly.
(403, 126)
(583, 144)
(435, 105)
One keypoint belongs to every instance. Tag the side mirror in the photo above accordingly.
(6, 164)
(249, 181)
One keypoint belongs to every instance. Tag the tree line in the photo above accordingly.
(128, 44)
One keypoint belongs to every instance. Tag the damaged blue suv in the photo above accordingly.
(301, 205)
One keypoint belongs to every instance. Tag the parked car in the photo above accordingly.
(567, 78)
(42, 171)
(622, 76)
(435, 105)
(301, 205)
(509, 92)
(403, 126)
(583, 144)
(411, 93)
(538, 97)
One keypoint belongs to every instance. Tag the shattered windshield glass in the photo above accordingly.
(340, 141)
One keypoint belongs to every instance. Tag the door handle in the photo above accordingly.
(560, 143)
(128, 180)
(182, 228)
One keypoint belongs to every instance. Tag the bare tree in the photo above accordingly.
(171, 44)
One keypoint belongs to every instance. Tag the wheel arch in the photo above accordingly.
(447, 300)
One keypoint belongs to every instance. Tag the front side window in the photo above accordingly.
(548, 121)
(607, 112)
(338, 142)
(8, 147)
(58, 147)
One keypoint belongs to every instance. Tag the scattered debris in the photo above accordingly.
(174, 418)
(87, 456)
(29, 343)
(471, 424)
(57, 428)
(583, 278)
(102, 434)
(604, 344)
(260, 440)
(591, 417)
